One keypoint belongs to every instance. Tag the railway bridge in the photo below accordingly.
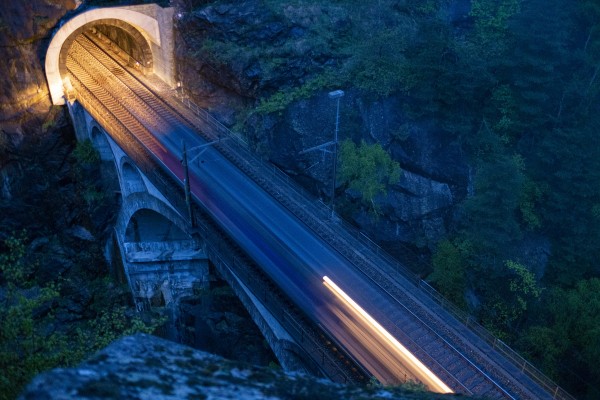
(327, 300)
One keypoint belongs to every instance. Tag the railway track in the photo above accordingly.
(99, 81)
(442, 349)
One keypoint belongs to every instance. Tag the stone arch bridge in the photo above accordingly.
(163, 257)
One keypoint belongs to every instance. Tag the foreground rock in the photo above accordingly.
(146, 367)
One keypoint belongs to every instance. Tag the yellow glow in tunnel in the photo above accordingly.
(434, 383)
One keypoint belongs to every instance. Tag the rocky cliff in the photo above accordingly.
(26, 28)
(145, 367)
(236, 56)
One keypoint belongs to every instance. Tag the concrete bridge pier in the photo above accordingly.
(162, 260)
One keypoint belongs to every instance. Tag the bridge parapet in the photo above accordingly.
(145, 252)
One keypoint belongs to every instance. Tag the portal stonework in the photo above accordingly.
(150, 25)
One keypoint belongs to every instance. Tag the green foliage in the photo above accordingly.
(491, 22)
(509, 299)
(31, 340)
(568, 204)
(26, 348)
(565, 338)
(113, 323)
(528, 203)
(491, 214)
(367, 169)
(13, 268)
(522, 283)
(280, 100)
(85, 170)
(427, 7)
(414, 386)
(85, 153)
(504, 108)
(378, 61)
(449, 270)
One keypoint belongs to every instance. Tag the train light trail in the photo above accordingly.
(429, 378)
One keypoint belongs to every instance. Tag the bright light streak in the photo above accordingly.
(437, 384)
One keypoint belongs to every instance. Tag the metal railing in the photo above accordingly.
(321, 211)
(305, 206)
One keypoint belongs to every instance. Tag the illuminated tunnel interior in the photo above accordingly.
(120, 39)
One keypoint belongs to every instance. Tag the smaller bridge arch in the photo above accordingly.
(100, 141)
(153, 207)
(147, 225)
(132, 181)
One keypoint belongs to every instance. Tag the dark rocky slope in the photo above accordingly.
(145, 367)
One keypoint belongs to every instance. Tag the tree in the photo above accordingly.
(367, 169)
(568, 165)
(538, 66)
(378, 61)
(449, 271)
(507, 302)
(492, 23)
(565, 337)
(26, 347)
(491, 216)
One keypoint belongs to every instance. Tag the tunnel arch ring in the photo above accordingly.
(131, 21)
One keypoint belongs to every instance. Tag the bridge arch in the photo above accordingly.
(147, 225)
(131, 179)
(152, 33)
(149, 211)
(100, 141)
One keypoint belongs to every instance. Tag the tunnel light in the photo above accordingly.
(434, 382)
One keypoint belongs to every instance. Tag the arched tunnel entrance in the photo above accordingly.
(141, 37)
(117, 39)
(125, 41)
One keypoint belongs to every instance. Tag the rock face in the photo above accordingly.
(240, 30)
(417, 210)
(145, 367)
(26, 27)
(215, 320)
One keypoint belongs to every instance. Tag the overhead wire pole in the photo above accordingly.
(186, 185)
(186, 175)
(336, 94)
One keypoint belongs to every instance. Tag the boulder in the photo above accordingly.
(146, 367)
